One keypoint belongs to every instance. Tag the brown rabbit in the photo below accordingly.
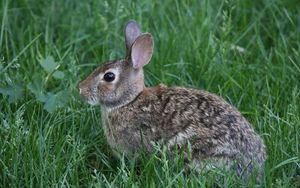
(134, 117)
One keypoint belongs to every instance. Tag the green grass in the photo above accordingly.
(247, 51)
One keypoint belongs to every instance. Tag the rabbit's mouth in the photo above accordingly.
(92, 100)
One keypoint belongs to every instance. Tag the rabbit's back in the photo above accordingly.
(176, 116)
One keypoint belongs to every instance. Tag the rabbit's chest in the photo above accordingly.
(124, 135)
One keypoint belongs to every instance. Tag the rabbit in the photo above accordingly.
(134, 116)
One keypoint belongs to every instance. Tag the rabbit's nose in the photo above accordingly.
(80, 86)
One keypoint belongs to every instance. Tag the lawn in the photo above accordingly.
(246, 51)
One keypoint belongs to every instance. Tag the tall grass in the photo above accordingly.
(246, 51)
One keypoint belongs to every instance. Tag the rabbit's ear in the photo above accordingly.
(132, 31)
(141, 50)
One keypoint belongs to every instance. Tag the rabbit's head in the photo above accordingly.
(118, 82)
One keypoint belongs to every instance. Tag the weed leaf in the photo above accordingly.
(39, 95)
(56, 100)
(51, 103)
(48, 64)
(58, 75)
(14, 92)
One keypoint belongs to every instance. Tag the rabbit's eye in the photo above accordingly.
(109, 77)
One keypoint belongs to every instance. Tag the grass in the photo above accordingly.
(245, 51)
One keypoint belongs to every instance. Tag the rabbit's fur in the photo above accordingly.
(134, 117)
